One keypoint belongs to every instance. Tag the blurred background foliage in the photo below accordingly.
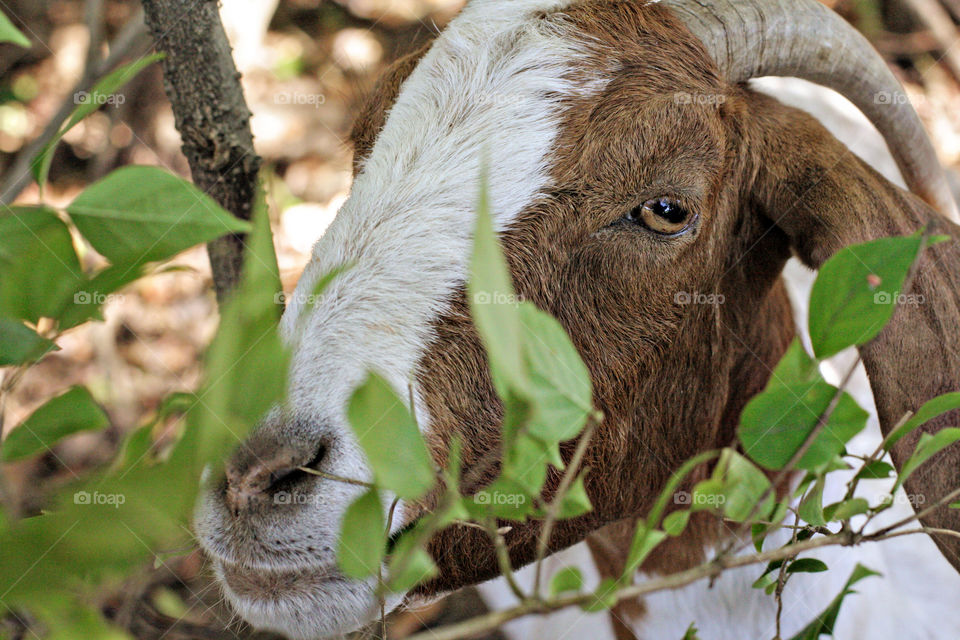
(306, 65)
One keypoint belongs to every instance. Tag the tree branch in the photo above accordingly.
(19, 176)
(203, 85)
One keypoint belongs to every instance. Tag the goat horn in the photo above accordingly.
(803, 39)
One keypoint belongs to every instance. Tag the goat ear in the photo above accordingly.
(823, 198)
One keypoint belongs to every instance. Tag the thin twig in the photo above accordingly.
(709, 569)
(930, 531)
(675, 581)
(380, 584)
(874, 456)
(553, 509)
(503, 557)
(18, 175)
(782, 576)
(947, 499)
(335, 478)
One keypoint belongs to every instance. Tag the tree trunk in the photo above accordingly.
(202, 83)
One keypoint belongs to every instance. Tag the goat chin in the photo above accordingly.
(303, 605)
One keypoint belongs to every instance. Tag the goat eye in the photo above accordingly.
(665, 216)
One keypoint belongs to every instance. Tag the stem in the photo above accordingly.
(335, 478)
(873, 457)
(380, 586)
(950, 497)
(553, 509)
(710, 569)
(782, 576)
(430, 525)
(503, 558)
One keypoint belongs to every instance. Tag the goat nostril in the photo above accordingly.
(250, 478)
(292, 476)
(318, 458)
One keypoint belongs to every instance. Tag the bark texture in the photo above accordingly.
(203, 85)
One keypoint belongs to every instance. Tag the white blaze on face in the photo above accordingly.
(491, 87)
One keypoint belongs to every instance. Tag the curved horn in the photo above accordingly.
(804, 39)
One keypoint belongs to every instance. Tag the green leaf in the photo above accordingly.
(691, 633)
(758, 533)
(567, 579)
(19, 344)
(707, 494)
(247, 364)
(525, 463)
(409, 564)
(87, 104)
(139, 447)
(840, 511)
(811, 507)
(847, 306)
(9, 33)
(561, 393)
(647, 537)
(494, 305)
(575, 502)
(775, 424)
(743, 486)
(929, 445)
(39, 269)
(143, 214)
(504, 499)
(930, 410)
(806, 565)
(768, 577)
(795, 368)
(825, 622)
(361, 547)
(64, 415)
(676, 522)
(89, 296)
(644, 541)
(389, 436)
(876, 470)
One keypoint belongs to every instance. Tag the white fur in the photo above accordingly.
(493, 86)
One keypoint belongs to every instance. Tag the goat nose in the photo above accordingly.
(251, 474)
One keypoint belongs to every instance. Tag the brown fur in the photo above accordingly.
(671, 379)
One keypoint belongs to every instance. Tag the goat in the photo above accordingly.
(610, 195)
